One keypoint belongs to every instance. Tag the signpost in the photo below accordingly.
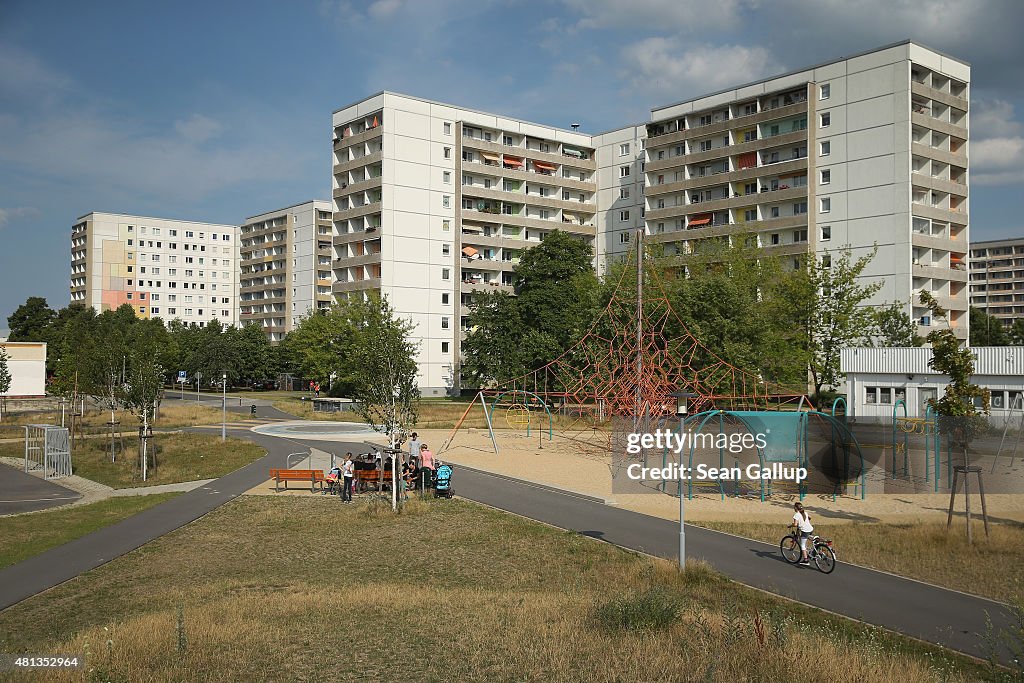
(182, 378)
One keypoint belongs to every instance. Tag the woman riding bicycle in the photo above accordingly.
(802, 522)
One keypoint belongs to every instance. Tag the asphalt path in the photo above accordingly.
(21, 492)
(60, 564)
(948, 618)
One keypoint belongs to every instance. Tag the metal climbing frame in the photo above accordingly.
(47, 448)
(928, 426)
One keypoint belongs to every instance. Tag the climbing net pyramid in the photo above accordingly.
(634, 357)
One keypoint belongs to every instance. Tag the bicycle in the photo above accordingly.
(821, 551)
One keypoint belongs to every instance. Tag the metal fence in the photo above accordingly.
(48, 448)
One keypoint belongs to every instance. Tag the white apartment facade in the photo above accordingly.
(285, 266)
(997, 278)
(432, 202)
(164, 268)
(870, 150)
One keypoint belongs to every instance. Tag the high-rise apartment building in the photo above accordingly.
(865, 151)
(163, 268)
(997, 278)
(433, 202)
(285, 262)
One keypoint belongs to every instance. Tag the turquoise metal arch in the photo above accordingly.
(837, 426)
(895, 437)
(515, 392)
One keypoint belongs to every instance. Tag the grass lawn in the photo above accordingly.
(172, 416)
(923, 551)
(23, 536)
(179, 457)
(436, 414)
(267, 589)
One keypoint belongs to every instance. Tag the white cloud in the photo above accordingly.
(382, 9)
(8, 215)
(198, 128)
(674, 68)
(662, 15)
(997, 144)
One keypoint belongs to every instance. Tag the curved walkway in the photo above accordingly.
(945, 617)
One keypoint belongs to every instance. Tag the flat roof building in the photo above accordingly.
(997, 278)
(163, 268)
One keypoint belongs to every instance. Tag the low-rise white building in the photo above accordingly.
(876, 378)
(26, 362)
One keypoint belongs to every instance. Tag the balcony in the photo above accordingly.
(353, 188)
(365, 160)
(359, 138)
(497, 171)
(951, 158)
(357, 211)
(950, 100)
(738, 123)
(357, 236)
(354, 285)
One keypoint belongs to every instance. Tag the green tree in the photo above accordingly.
(828, 309)
(5, 380)
(892, 326)
(253, 356)
(987, 330)
(321, 346)
(384, 369)
(1017, 332)
(960, 417)
(557, 294)
(143, 389)
(31, 320)
(493, 349)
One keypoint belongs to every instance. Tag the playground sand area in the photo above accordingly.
(572, 465)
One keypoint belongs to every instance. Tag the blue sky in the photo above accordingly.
(216, 111)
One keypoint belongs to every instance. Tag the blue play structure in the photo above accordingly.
(817, 441)
(928, 426)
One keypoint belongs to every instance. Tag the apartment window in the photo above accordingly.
(446, 176)
(826, 233)
(799, 208)
(155, 310)
(623, 193)
(799, 235)
(444, 322)
(188, 233)
(624, 171)
(565, 195)
(444, 298)
(544, 213)
(750, 215)
(705, 145)
(506, 140)
(444, 347)
(446, 225)
(446, 274)
(446, 201)
(680, 150)
(129, 296)
(826, 204)
(447, 128)
(775, 212)
(446, 249)
(775, 238)
(129, 243)
(506, 209)
(750, 188)
(826, 119)
(623, 216)
(826, 261)
(879, 395)
(826, 148)
(825, 91)
(623, 149)
(625, 237)
(447, 152)
(826, 176)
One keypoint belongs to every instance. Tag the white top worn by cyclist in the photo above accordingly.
(802, 521)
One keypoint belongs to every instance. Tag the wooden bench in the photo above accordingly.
(314, 477)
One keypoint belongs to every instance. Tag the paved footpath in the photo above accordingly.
(60, 564)
(930, 613)
(934, 614)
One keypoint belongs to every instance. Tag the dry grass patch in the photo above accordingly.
(308, 589)
(172, 416)
(23, 536)
(179, 457)
(922, 550)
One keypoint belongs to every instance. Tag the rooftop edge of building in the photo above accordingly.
(456, 106)
(819, 65)
(285, 208)
(153, 218)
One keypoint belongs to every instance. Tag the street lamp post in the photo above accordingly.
(682, 410)
(224, 408)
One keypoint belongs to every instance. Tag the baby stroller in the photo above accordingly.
(443, 482)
